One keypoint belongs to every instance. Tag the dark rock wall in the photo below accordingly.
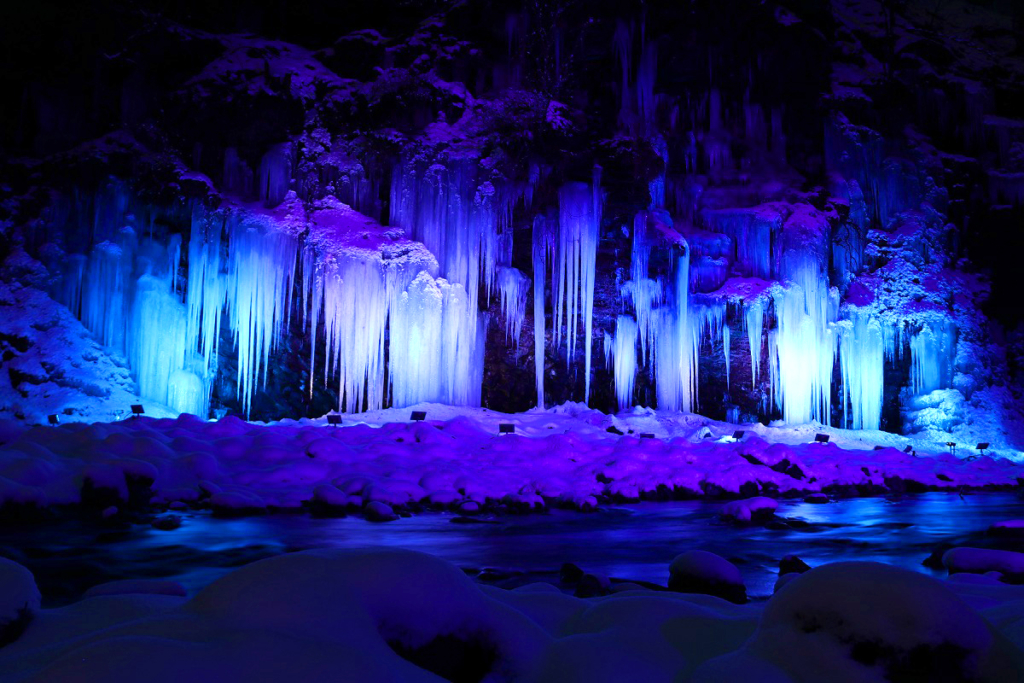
(753, 102)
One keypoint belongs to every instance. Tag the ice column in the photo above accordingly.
(802, 349)
(107, 288)
(726, 340)
(930, 354)
(575, 267)
(514, 288)
(754, 319)
(260, 273)
(624, 351)
(543, 236)
(862, 360)
(275, 174)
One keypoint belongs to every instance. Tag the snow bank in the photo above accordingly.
(698, 571)
(750, 508)
(19, 599)
(561, 457)
(980, 561)
(863, 621)
(395, 615)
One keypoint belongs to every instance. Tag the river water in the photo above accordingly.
(634, 542)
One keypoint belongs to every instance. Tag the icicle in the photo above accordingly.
(261, 272)
(237, 177)
(754, 319)
(73, 283)
(623, 348)
(931, 353)
(206, 289)
(645, 77)
(457, 218)
(416, 340)
(641, 253)
(675, 359)
(542, 246)
(862, 363)
(575, 267)
(645, 296)
(105, 295)
(726, 339)
(275, 174)
(802, 349)
(437, 345)
(623, 42)
(514, 288)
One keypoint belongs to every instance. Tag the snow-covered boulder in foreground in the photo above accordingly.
(1010, 527)
(698, 571)
(390, 615)
(982, 560)
(864, 621)
(19, 600)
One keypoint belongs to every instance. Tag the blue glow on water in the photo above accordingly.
(630, 542)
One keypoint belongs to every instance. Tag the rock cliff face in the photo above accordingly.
(752, 210)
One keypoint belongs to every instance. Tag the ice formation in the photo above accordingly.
(514, 288)
(401, 320)
(930, 353)
(275, 174)
(623, 351)
(802, 348)
(754, 321)
(575, 268)
(862, 359)
(543, 245)
(374, 295)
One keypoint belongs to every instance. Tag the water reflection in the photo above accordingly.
(630, 541)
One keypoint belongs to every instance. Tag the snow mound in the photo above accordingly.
(749, 509)
(137, 587)
(864, 621)
(980, 560)
(19, 600)
(698, 571)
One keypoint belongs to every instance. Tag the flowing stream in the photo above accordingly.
(634, 542)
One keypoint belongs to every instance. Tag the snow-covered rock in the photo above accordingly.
(981, 560)
(863, 621)
(698, 571)
(750, 509)
(19, 600)
(377, 511)
(137, 587)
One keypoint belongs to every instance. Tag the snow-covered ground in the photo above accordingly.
(382, 462)
(397, 615)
